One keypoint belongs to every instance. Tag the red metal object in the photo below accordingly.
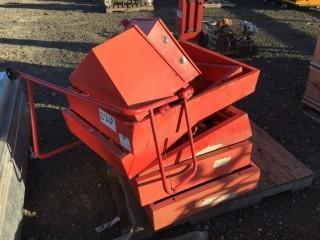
(196, 200)
(210, 166)
(189, 19)
(34, 129)
(114, 68)
(233, 128)
(209, 88)
(158, 111)
(221, 129)
(185, 94)
(159, 154)
(163, 40)
(69, 92)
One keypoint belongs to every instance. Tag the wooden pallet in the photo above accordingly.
(280, 172)
(218, 4)
(130, 9)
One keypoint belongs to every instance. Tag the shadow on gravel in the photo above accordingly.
(276, 105)
(278, 50)
(167, 11)
(43, 71)
(48, 119)
(73, 46)
(53, 190)
(82, 7)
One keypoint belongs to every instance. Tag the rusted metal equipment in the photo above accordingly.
(217, 35)
(190, 17)
(158, 111)
(232, 39)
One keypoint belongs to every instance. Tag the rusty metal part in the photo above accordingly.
(232, 39)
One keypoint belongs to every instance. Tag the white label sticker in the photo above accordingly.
(221, 162)
(125, 142)
(107, 120)
(209, 149)
(214, 200)
(179, 14)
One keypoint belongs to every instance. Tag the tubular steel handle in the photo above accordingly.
(113, 108)
(34, 130)
(186, 94)
(194, 158)
(159, 154)
(108, 106)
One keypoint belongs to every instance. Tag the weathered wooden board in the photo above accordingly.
(14, 143)
(130, 9)
(311, 108)
(218, 4)
(311, 96)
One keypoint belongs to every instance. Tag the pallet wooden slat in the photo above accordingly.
(311, 112)
(280, 172)
(311, 96)
(130, 9)
(311, 102)
(218, 4)
(311, 107)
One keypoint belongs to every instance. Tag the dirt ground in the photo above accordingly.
(70, 193)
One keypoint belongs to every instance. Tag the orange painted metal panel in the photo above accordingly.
(203, 55)
(193, 201)
(149, 188)
(101, 145)
(167, 45)
(128, 71)
(231, 126)
(189, 19)
(222, 129)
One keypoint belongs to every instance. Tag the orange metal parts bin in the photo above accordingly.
(212, 92)
(154, 150)
(160, 112)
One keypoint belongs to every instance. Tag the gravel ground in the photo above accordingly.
(70, 193)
